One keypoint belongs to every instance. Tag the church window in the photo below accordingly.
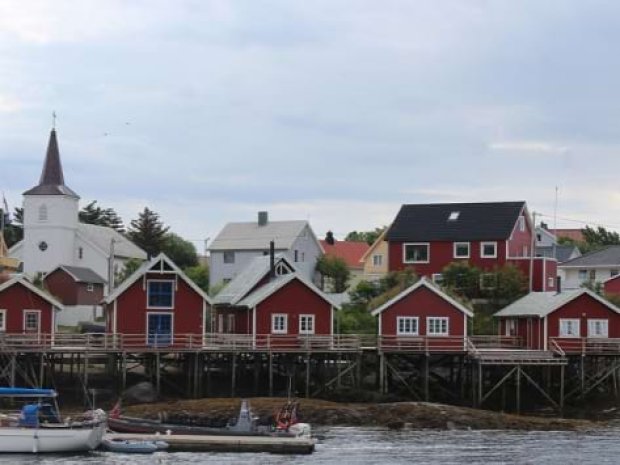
(43, 213)
(80, 253)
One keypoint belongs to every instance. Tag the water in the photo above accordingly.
(364, 446)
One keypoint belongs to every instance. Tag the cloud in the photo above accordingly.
(9, 104)
(529, 147)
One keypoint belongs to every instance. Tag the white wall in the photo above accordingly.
(73, 315)
(570, 276)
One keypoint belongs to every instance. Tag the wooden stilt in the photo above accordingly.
(307, 375)
(233, 380)
(157, 374)
(561, 388)
(426, 375)
(518, 389)
(270, 374)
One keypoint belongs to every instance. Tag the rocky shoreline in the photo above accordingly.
(395, 415)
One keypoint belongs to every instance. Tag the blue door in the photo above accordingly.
(160, 330)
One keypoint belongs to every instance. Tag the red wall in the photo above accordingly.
(132, 309)
(531, 334)
(442, 254)
(612, 286)
(243, 320)
(518, 240)
(69, 292)
(544, 268)
(294, 299)
(422, 303)
(18, 298)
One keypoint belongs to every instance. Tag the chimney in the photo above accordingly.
(272, 259)
(329, 238)
(558, 284)
(263, 218)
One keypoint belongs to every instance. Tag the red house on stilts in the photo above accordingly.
(573, 321)
(423, 318)
(158, 305)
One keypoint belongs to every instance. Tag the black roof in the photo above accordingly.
(52, 181)
(474, 221)
(82, 275)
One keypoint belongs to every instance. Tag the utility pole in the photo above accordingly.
(111, 267)
(532, 248)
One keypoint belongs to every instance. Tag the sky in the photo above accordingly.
(334, 111)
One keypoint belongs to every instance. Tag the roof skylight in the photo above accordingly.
(454, 216)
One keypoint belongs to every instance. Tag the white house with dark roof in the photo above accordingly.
(239, 243)
(594, 267)
(54, 236)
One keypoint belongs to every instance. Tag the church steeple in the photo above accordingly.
(52, 181)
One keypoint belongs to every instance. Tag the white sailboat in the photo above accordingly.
(38, 427)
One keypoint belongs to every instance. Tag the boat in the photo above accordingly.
(133, 447)
(38, 427)
(286, 425)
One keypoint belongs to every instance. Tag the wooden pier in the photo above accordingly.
(483, 371)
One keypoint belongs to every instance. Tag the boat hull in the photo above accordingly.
(56, 439)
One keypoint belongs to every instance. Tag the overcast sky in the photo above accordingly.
(334, 111)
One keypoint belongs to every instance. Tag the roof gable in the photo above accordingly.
(349, 251)
(455, 221)
(251, 236)
(374, 245)
(162, 264)
(423, 282)
(31, 287)
(609, 256)
(79, 274)
(242, 284)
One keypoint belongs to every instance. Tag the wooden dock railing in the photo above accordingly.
(422, 344)
(587, 346)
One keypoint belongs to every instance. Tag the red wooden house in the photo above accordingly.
(546, 320)
(428, 237)
(26, 309)
(424, 318)
(158, 305)
(611, 286)
(271, 303)
(75, 285)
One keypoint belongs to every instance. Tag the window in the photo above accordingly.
(550, 281)
(220, 323)
(279, 324)
(231, 323)
(407, 325)
(226, 280)
(90, 287)
(43, 213)
(461, 250)
(613, 273)
(569, 327)
(437, 326)
(521, 223)
(583, 275)
(2, 320)
(377, 260)
(303, 256)
(525, 251)
(296, 255)
(539, 237)
(306, 324)
(80, 253)
(592, 275)
(488, 249)
(229, 256)
(454, 216)
(488, 281)
(438, 278)
(598, 328)
(511, 328)
(415, 253)
(31, 321)
(160, 294)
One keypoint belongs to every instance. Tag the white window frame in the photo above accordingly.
(577, 324)
(438, 278)
(550, 281)
(521, 222)
(592, 326)
(428, 252)
(486, 243)
(307, 318)
(377, 259)
(90, 287)
(146, 326)
(456, 245)
(275, 330)
(3, 312)
(584, 278)
(510, 327)
(440, 319)
(25, 319)
(408, 333)
(228, 253)
(148, 291)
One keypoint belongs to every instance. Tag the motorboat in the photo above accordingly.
(38, 426)
(127, 446)
(246, 424)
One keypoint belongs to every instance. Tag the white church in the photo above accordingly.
(54, 236)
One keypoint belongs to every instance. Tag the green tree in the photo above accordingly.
(14, 227)
(336, 270)
(462, 278)
(180, 251)
(130, 267)
(365, 236)
(94, 214)
(148, 232)
(200, 275)
(511, 283)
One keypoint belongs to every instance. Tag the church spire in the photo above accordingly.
(52, 181)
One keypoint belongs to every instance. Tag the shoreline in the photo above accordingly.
(392, 415)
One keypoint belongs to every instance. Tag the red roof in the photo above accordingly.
(351, 252)
(574, 234)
